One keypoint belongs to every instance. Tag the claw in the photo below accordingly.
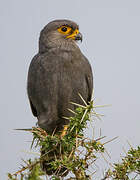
(64, 130)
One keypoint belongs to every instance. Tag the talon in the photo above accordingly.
(64, 131)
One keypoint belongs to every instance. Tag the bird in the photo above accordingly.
(57, 74)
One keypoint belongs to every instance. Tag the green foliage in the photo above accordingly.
(71, 151)
(130, 164)
(32, 171)
(68, 151)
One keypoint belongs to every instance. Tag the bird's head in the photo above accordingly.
(59, 34)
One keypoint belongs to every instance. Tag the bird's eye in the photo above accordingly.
(64, 29)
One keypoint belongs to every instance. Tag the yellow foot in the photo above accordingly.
(64, 131)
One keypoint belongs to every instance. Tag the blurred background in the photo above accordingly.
(111, 42)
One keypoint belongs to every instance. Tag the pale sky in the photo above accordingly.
(111, 42)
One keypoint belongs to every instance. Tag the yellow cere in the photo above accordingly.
(67, 30)
(73, 34)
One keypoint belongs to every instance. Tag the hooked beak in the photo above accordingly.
(76, 35)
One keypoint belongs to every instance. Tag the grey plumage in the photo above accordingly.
(56, 75)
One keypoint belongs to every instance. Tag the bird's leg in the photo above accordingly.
(64, 131)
